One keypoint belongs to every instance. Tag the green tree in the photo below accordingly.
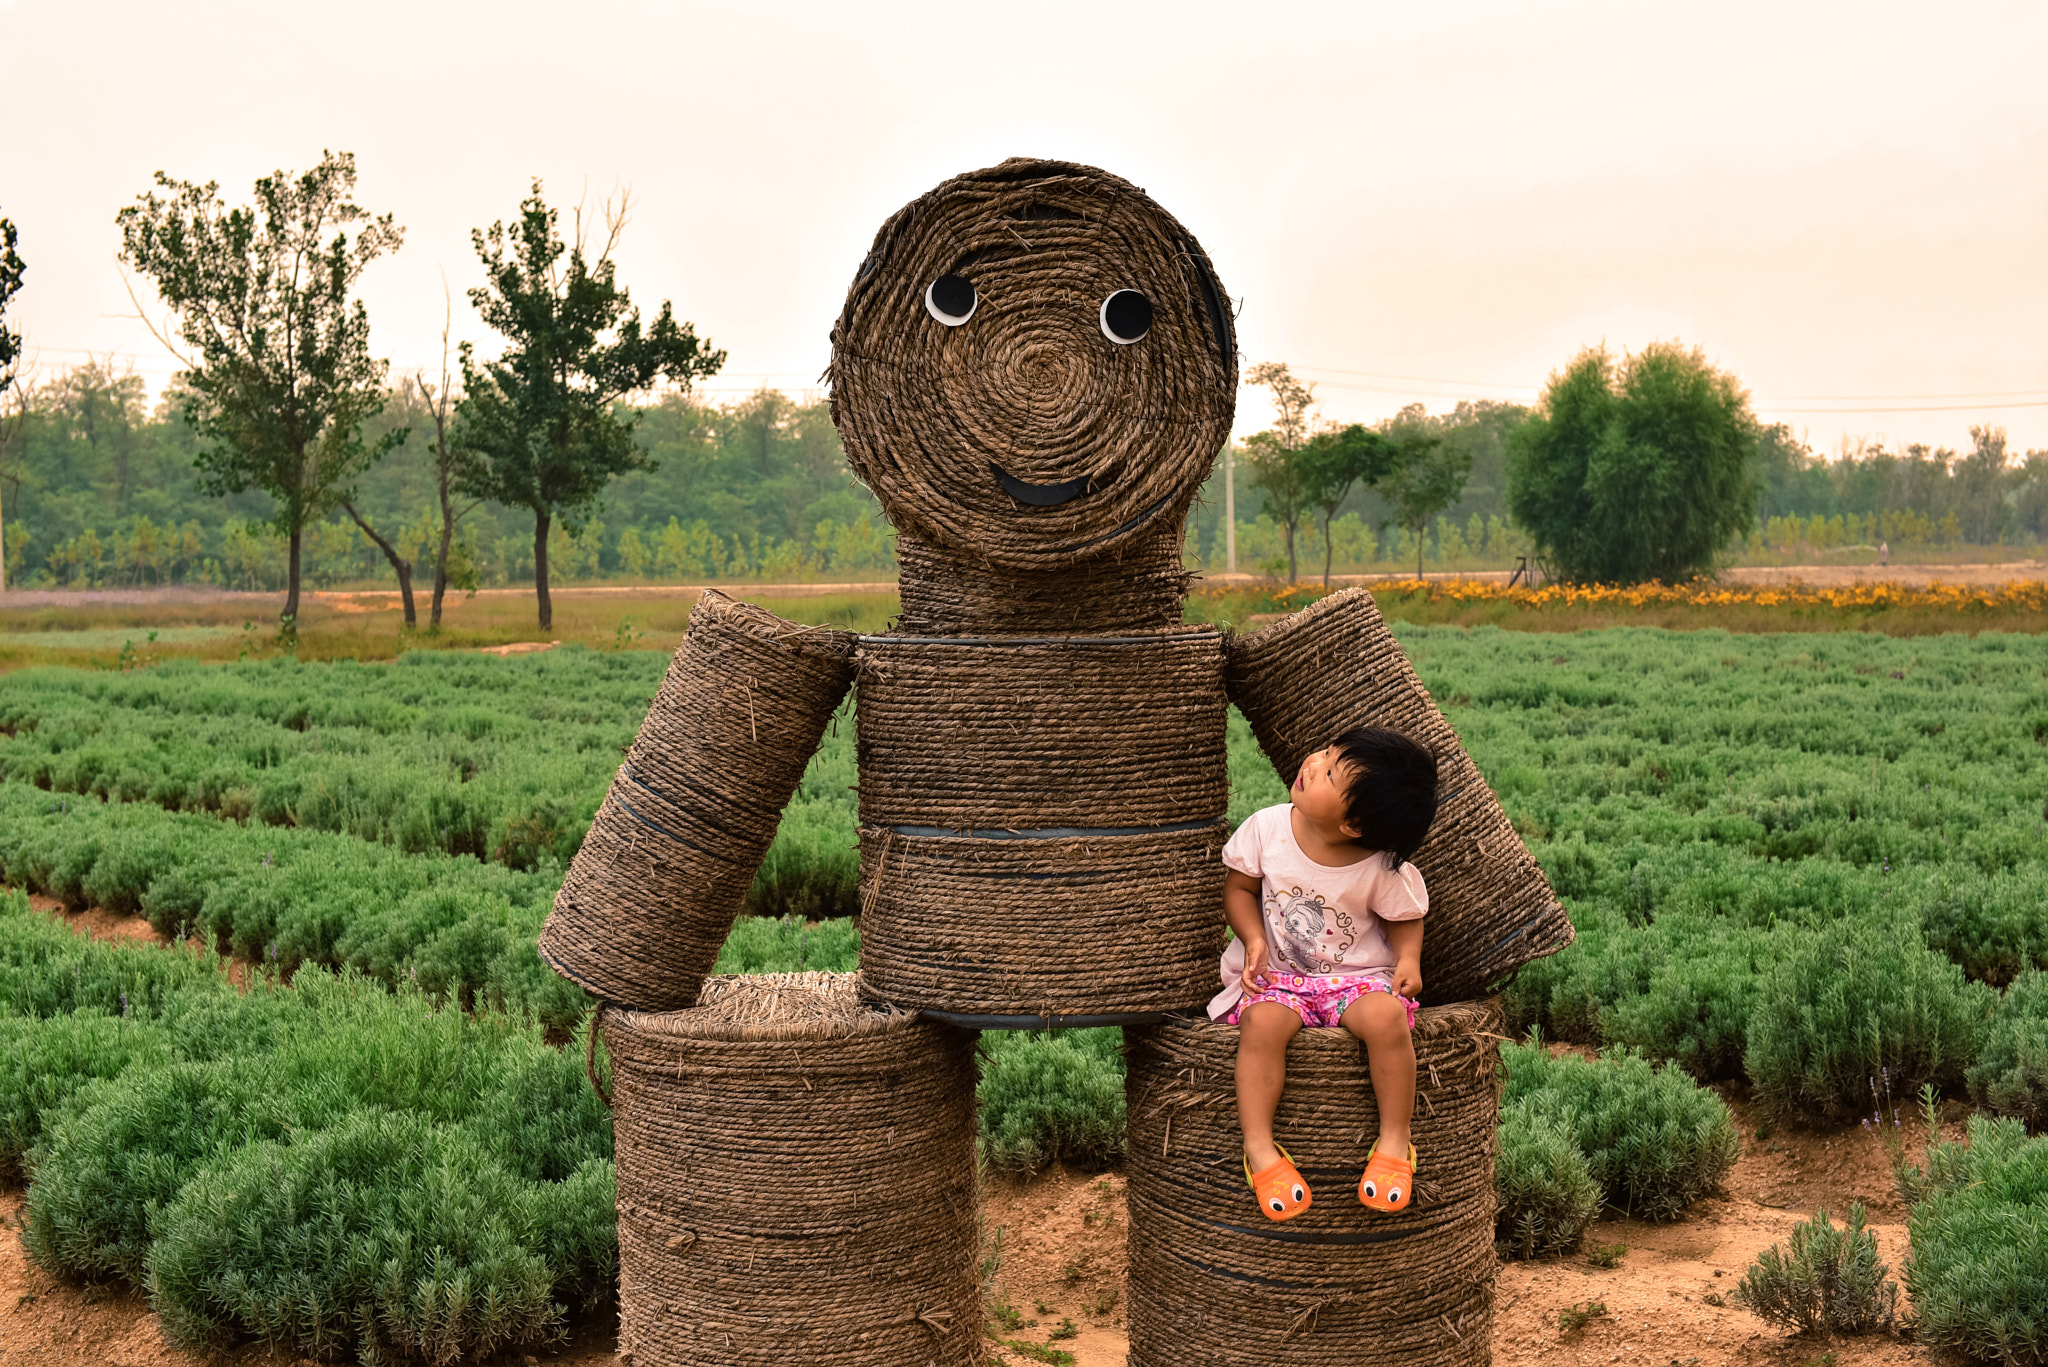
(1332, 462)
(11, 270)
(1426, 474)
(1635, 470)
(282, 378)
(540, 427)
(450, 565)
(1275, 455)
(1981, 483)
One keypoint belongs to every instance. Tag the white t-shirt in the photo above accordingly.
(1321, 921)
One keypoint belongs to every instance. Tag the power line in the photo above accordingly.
(1414, 379)
(1925, 408)
(1874, 403)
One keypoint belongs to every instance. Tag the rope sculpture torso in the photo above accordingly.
(1034, 372)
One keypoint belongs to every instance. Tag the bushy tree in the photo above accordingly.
(1335, 461)
(1637, 469)
(282, 379)
(11, 270)
(1277, 469)
(1425, 474)
(539, 427)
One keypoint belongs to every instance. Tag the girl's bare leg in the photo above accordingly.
(1381, 1021)
(1263, 1030)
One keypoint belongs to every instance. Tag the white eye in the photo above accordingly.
(1126, 317)
(951, 299)
(1372, 1189)
(1394, 1195)
(1279, 1206)
(1299, 1194)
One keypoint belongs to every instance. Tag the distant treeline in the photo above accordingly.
(98, 489)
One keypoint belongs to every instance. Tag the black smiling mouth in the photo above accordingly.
(1041, 495)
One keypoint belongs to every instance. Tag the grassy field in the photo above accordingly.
(1811, 865)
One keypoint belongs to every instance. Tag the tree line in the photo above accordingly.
(279, 386)
(285, 447)
(1646, 466)
(101, 491)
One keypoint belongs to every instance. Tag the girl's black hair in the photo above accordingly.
(1392, 798)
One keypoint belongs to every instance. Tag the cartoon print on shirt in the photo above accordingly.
(1299, 923)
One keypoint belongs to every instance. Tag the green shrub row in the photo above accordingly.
(284, 898)
(332, 1167)
(502, 759)
(1978, 1276)
(505, 760)
(1724, 814)
(2010, 1076)
(1579, 1134)
(451, 926)
(1715, 808)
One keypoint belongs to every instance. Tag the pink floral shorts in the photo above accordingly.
(1319, 1001)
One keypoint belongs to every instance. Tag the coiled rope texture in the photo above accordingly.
(1212, 1281)
(796, 1181)
(1333, 666)
(666, 866)
(1029, 385)
(1041, 821)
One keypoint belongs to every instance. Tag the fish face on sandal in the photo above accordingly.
(1281, 1192)
(1387, 1183)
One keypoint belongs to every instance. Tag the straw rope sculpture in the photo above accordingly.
(796, 1181)
(1334, 665)
(1213, 1282)
(1033, 372)
(1141, 589)
(653, 891)
(1034, 367)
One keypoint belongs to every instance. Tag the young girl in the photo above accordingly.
(1328, 919)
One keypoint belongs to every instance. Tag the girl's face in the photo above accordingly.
(1320, 788)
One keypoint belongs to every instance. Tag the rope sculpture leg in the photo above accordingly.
(796, 1181)
(1214, 1282)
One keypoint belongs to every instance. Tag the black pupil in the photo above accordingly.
(1129, 314)
(954, 295)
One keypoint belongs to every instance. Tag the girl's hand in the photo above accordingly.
(1257, 965)
(1408, 977)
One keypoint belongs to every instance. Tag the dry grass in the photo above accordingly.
(367, 625)
(1894, 609)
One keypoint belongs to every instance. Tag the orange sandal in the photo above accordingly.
(1387, 1182)
(1281, 1192)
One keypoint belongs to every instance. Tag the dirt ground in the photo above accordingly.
(359, 600)
(1059, 1252)
(364, 600)
(1057, 1247)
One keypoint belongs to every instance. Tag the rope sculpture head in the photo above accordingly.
(1034, 366)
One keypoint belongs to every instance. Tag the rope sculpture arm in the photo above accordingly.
(670, 857)
(1333, 666)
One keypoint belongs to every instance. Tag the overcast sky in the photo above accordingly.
(1846, 205)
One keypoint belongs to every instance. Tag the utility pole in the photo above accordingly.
(1230, 507)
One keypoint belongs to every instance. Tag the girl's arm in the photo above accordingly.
(1241, 907)
(1405, 939)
